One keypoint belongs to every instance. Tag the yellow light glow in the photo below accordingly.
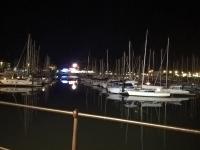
(177, 75)
(195, 75)
(184, 74)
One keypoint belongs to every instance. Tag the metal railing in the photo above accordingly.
(76, 114)
(3, 148)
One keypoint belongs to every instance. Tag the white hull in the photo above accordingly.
(17, 90)
(114, 90)
(148, 93)
(117, 87)
(157, 99)
(173, 90)
(176, 92)
(117, 90)
(19, 82)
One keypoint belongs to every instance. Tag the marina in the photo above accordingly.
(99, 75)
(55, 131)
(122, 109)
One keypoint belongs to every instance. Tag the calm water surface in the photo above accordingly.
(24, 129)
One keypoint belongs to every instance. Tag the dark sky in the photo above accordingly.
(68, 31)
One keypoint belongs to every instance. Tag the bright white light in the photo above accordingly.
(195, 75)
(74, 65)
(176, 72)
(72, 82)
(184, 74)
(73, 70)
(63, 77)
(148, 83)
(189, 74)
(64, 70)
(43, 89)
(177, 75)
(64, 81)
(74, 86)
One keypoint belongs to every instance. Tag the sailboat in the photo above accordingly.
(119, 87)
(157, 99)
(147, 92)
(19, 89)
(23, 77)
(19, 82)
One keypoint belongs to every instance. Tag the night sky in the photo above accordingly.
(68, 31)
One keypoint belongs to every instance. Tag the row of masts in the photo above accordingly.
(133, 66)
(32, 58)
(29, 61)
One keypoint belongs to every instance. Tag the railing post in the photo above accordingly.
(75, 125)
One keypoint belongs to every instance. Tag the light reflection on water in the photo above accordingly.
(73, 81)
(38, 130)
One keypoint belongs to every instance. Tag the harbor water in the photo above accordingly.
(25, 129)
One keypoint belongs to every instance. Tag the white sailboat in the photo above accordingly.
(24, 78)
(177, 90)
(18, 89)
(19, 82)
(174, 89)
(119, 87)
(157, 99)
(147, 92)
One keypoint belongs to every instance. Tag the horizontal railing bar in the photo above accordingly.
(139, 123)
(37, 108)
(3, 148)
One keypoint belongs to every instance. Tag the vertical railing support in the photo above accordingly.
(75, 126)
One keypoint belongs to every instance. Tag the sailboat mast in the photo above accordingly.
(107, 70)
(88, 62)
(129, 59)
(124, 64)
(149, 66)
(144, 57)
(167, 61)
(161, 60)
(28, 54)
(153, 66)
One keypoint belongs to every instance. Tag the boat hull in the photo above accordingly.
(147, 93)
(22, 83)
